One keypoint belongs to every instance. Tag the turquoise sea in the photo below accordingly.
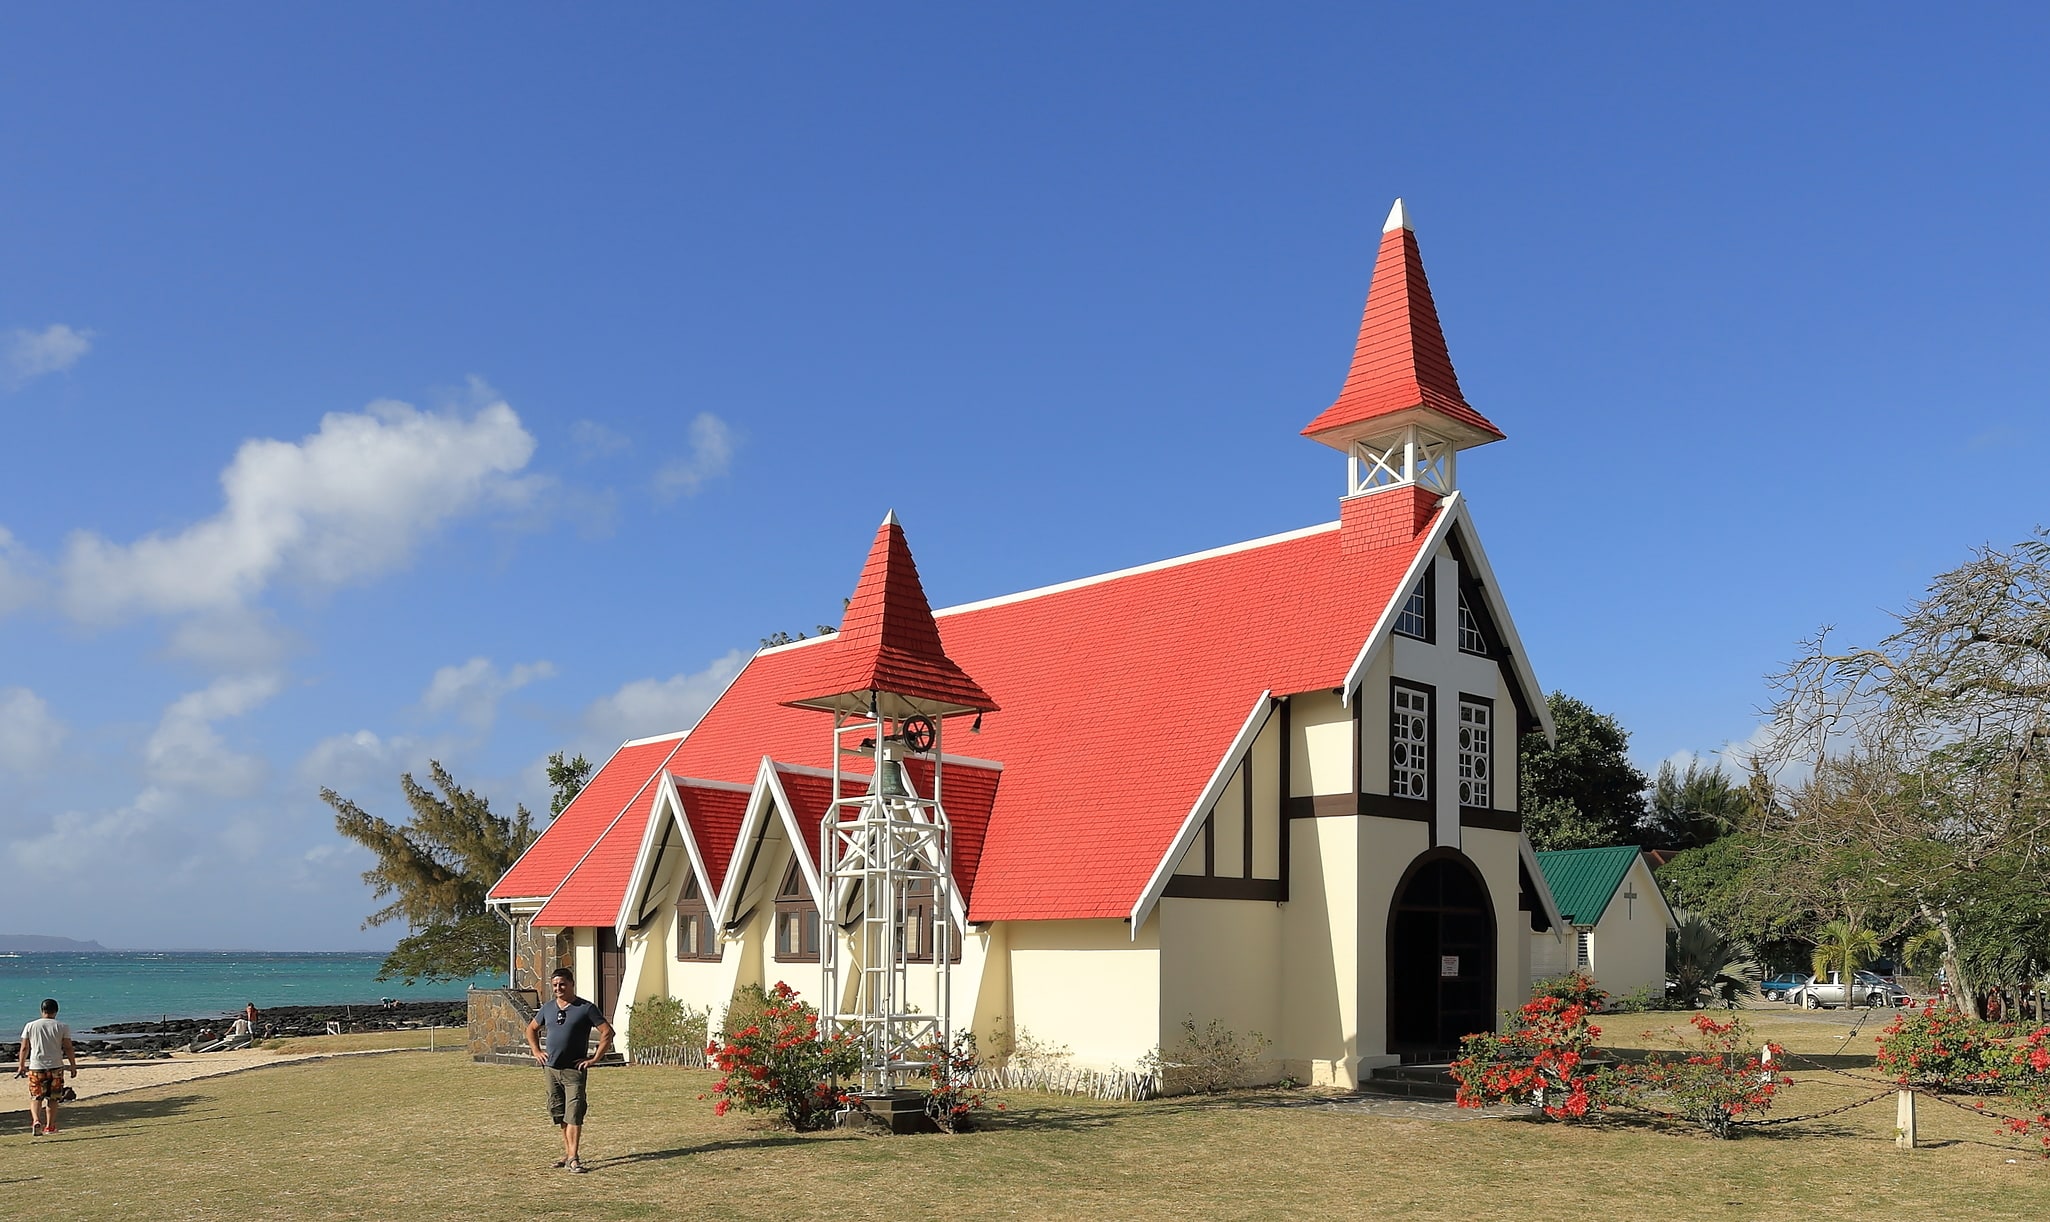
(111, 987)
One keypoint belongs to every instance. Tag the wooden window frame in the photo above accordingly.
(1430, 743)
(691, 907)
(1486, 781)
(794, 902)
(1426, 591)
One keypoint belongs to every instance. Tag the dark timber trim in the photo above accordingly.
(1498, 820)
(1325, 805)
(1382, 806)
(1190, 886)
(1283, 804)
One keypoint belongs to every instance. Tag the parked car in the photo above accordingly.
(1868, 987)
(1778, 987)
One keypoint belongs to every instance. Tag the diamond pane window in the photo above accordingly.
(1476, 754)
(1409, 744)
(1415, 617)
(1470, 638)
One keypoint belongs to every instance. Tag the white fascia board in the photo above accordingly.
(660, 769)
(1452, 506)
(1528, 856)
(668, 802)
(1154, 566)
(1498, 609)
(761, 793)
(1256, 720)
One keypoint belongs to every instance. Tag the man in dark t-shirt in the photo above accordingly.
(567, 1021)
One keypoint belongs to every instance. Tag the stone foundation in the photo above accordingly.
(498, 1023)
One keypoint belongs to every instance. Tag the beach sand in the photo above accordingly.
(97, 1079)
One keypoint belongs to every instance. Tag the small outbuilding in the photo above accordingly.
(1616, 914)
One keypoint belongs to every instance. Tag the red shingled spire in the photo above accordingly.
(888, 644)
(1400, 365)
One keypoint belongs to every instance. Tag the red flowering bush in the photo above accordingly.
(781, 1063)
(2029, 1085)
(1541, 1060)
(1574, 986)
(1714, 1078)
(1947, 1050)
(952, 1099)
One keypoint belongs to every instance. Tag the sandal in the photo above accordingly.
(576, 1166)
(560, 1163)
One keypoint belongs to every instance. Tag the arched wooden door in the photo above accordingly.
(1441, 957)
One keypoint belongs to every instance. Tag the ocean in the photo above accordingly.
(103, 988)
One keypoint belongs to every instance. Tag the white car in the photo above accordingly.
(1869, 987)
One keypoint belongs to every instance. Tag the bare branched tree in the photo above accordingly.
(1927, 751)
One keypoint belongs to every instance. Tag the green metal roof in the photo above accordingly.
(1583, 881)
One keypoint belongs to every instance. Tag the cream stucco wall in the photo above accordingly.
(1089, 985)
(1320, 951)
(1221, 960)
(1629, 948)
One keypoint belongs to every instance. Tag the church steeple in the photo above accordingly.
(1400, 417)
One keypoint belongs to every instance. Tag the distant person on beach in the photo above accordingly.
(568, 1020)
(45, 1048)
(249, 1012)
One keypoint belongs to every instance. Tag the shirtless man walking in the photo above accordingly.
(45, 1048)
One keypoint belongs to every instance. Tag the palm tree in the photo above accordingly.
(1843, 947)
(1705, 966)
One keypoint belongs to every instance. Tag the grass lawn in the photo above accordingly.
(420, 1135)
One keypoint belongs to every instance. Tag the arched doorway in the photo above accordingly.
(1441, 957)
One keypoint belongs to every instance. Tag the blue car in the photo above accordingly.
(1777, 988)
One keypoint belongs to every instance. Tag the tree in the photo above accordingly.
(1582, 791)
(1732, 883)
(438, 867)
(1705, 965)
(1932, 746)
(1692, 809)
(567, 779)
(1843, 948)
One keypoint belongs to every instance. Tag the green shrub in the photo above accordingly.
(666, 1022)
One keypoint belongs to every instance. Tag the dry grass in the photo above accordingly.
(419, 1136)
(447, 1039)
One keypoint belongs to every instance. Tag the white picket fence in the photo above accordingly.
(1122, 1084)
(686, 1056)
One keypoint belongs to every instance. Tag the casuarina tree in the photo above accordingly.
(437, 868)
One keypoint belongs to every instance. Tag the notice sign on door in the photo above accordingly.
(1448, 965)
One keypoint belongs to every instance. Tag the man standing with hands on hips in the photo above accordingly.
(566, 1021)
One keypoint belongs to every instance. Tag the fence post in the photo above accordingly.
(1765, 1062)
(1904, 1121)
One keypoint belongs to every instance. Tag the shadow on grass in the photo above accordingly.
(769, 1142)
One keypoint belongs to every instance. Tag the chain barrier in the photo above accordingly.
(1835, 1111)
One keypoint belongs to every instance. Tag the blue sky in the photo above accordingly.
(481, 381)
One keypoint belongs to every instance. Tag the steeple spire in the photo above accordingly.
(887, 655)
(1400, 415)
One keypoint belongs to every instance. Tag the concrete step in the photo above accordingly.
(1412, 1082)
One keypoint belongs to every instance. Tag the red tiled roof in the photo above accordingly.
(970, 798)
(622, 781)
(1400, 360)
(714, 814)
(887, 641)
(1120, 697)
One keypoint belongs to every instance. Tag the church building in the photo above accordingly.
(1272, 784)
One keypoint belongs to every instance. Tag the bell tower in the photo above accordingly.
(887, 852)
(1400, 418)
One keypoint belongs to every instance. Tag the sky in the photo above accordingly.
(470, 382)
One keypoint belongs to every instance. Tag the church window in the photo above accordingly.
(1476, 751)
(695, 937)
(1583, 955)
(797, 920)
(917, 928)
(1409, 743)
(1471, 639)
(1415, 617)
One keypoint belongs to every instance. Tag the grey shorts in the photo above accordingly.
(566, 1095)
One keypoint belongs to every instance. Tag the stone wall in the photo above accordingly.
(498, 1022)
(538, 952)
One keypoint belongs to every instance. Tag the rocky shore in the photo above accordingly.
(164, 1036)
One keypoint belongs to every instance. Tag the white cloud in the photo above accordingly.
(231, 639)
(345, 503)
(355, 764)
(711, 452)
(594, 440)
(647, 707)
(29, 735)
(20, 574)
(28, 355)
(82, 843)
(474, 689)
(187, 752)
